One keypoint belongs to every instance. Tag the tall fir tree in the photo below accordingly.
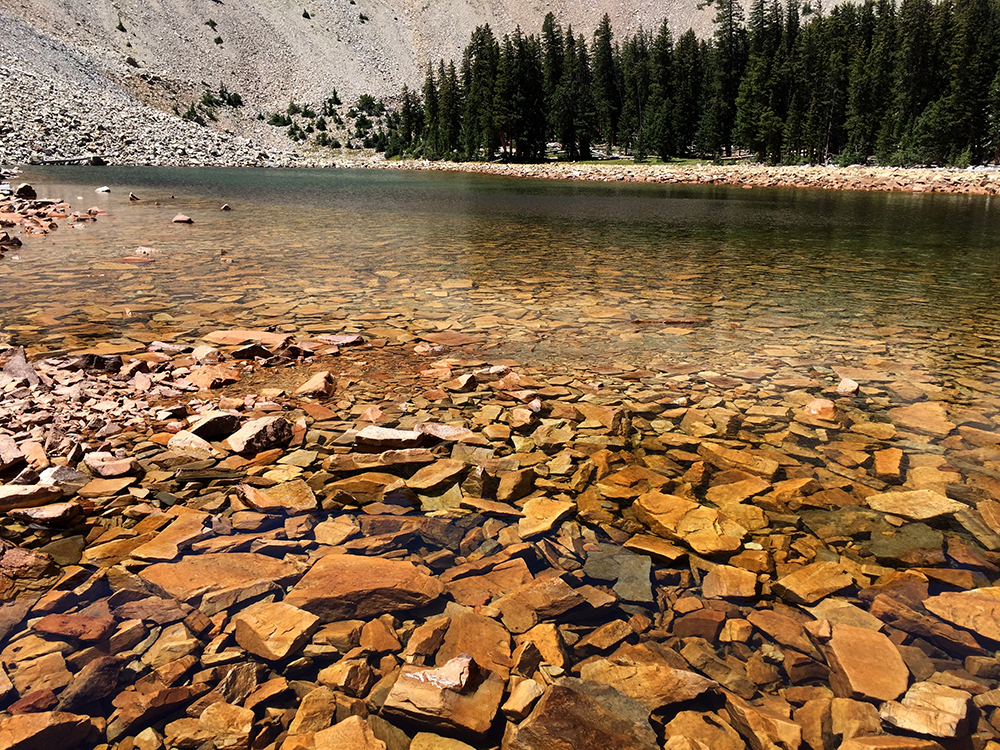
(432, 116)
(607, 98)
(552, 67)
(659, 134)
(479, 72)
(726, 65)
(688, 75)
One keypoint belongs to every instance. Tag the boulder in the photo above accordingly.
(260, 435)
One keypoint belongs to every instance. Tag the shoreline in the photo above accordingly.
(973, 181)
(868, 179)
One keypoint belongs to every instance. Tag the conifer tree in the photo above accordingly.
(688, 74)
(432, 116)
(479, 73)
(552, 67)
(726, 65)
(607, 100)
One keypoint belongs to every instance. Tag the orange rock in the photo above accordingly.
(865, 665)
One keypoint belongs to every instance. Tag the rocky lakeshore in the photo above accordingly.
(259, 540)
(869, 179)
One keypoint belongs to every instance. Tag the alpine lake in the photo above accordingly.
(783, 400)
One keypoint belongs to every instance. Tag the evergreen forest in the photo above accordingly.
(788, 83)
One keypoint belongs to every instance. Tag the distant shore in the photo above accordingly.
(877, 179)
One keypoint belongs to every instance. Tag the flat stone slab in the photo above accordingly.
(865, 665)
(385, 438)
(919, 505)
(218, 580)
(813, 582)
(243, 336)
(187, 528)
(27, 495)
(929, 418)
(581, 714)
(292, 497)
(421, 696)
(930, 709)
(654, 684)
(105, 487)
(340, 587)
(977, 610)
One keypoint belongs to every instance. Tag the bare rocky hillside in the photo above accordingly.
(119, 59)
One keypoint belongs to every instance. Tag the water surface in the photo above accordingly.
(544, 271)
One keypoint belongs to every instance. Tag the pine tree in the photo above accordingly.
(917, 78)
(607, 101)
(870, 84)
(728, 60)
(659, 134)
(688, 74)
(530, 141)
(432, 116)
(449, 111)
(479, 72)
(552, 68)
(973, 64)
(636, 80)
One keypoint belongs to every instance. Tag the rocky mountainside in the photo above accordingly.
(121, 63)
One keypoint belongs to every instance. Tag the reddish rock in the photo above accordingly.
(81, 627)
(33, 703)
(811, 583)
(654, 684)
(727, 582)
(570, 718)
(890, 742)
(217, 581)
(865, 665)
(353, 733)
(821, 408)
(704, 623)
(930, 709)
(339, 587)
(320, 385)
(288, 497)
(45, 731)
(927, 417)
(273, 630)
(437, 698)
(977, 610)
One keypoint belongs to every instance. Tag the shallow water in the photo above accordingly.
(578, 274)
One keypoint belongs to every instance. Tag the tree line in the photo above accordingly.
(917, 83)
